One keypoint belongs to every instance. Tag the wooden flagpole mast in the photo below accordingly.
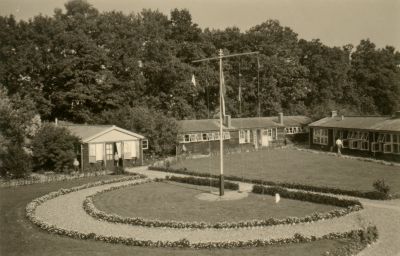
(221, 135)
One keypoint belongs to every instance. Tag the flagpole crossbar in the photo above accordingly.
(221, 107)
(225, 56)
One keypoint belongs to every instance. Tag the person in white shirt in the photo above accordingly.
(339, 145)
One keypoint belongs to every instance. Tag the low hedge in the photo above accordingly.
(322, 189)
(367, 235)
(350, 206)
(306, 196)
(203, 182)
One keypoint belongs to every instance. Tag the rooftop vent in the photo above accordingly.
(333, 113)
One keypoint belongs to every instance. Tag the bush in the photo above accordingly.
(376, 195)
(15, 162)
(54, 149)
(382, 187)
(203, 182)
(306, 196)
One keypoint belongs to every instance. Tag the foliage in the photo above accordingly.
(368, 234)
(370, 194)
(80, 63)
(203, 182)
(54, 149)
(15, 162)
(18, 125)
(382, 187)
(91, 209)
(306, 196)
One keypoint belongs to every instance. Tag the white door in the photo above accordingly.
(265, 138)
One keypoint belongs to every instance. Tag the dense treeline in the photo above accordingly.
(81, 65)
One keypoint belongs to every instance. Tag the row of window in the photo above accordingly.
(293, 130)
(125, 150)
(320, 136)
(386, 143)
(198, 137)
(360, 140)
(244, 136)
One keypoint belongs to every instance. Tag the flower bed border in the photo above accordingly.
(365, 236)
(320, 189)
(350, 206)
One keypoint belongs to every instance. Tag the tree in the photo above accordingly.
(54, 149)
(18, 125)
(377, 76)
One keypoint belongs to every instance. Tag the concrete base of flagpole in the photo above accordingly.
(221, 185)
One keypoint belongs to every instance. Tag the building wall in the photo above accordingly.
(331, 146)
(122, 162)
(232, 144)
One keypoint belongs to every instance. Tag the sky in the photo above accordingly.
(334, 22)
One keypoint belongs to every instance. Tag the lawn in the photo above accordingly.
(177, 201)
(19, 237)
(289, 165)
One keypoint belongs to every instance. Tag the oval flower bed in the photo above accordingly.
(348, 207)
(365, 235)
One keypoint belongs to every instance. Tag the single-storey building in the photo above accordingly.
(371, 136)
(240, 134)
(108, 145)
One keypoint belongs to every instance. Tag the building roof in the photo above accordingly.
(88, 132)
(378, 123)
(200, 125)
(241, 123)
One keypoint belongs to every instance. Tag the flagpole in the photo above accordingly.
(221, 103)
(221, 135)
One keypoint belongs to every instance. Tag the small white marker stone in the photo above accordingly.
(277, 198)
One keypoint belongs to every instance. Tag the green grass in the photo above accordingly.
(177, 201)
(19, 237)
(288, 165)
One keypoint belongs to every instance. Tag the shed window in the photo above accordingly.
(145, 144)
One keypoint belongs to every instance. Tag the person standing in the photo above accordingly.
(339, 145)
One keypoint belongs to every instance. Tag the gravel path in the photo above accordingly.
(66, 212)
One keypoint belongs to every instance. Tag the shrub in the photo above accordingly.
(306, 196)
(322, 189)
(381, 187)
(15, 162)
(54, 149)
(203, 182)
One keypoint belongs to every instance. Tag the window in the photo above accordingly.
(242, 136)
(92, 153)
(216, 135)
(205, 136)
(145, 144)
(358, 140)
(129, 149)
(181, 138)
(227, 135)
(187, 138)
(396, 144)
(109, 152)
(320, 136)
(192, 137)
(199, 137)
(388, 145)
(210, 136)
(293, 130)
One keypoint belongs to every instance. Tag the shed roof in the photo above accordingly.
(88, 132)
(378, 123)
(241, 123)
